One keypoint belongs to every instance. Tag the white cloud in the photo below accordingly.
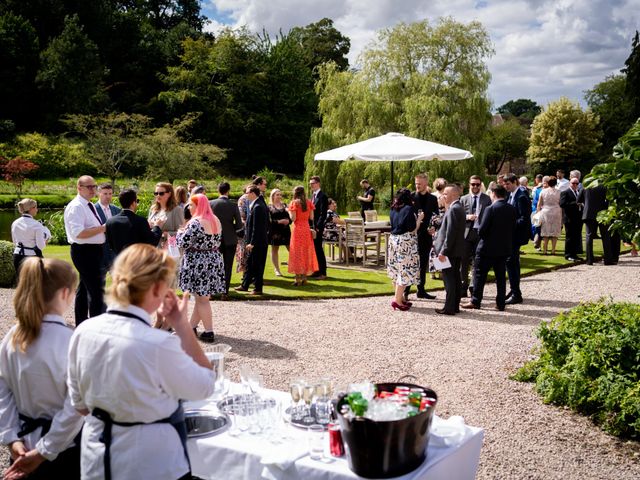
(544, 48)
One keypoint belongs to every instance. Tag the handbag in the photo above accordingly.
(172, 247)
(536, 219)
(314, 233)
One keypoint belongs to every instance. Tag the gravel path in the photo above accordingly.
(466, 359)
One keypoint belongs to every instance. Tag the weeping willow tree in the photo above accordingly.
(426, 81)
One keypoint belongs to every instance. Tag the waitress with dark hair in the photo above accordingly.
(403, 266)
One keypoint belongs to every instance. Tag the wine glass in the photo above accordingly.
(308, 391)
(295, 389)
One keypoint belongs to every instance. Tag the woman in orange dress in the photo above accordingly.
(302, 255)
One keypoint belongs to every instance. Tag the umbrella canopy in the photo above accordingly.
(393, 147)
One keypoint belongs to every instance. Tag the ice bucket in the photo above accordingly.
(386, 449)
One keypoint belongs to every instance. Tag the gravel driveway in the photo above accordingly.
(466, 359)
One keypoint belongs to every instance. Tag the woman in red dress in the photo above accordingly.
(302, 255)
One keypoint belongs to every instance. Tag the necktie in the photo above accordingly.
(475, 204)
(93, 210)
(313, 199)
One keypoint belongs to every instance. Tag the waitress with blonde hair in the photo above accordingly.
(128, 378)
(29, 236)
(37, 420)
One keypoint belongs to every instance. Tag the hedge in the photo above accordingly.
(7, 272)
(589, 360)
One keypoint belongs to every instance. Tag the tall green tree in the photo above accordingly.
(19, 50)
(614, 108)
(255, 95)
(71, 73)
(504, 142)
(323, 43)
(425, 80)
(564, 135)
(632, 71)
(523, 108)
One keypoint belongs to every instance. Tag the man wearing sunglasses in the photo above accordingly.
(85, 233)
(474, 204)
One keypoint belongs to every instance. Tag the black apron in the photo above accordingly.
(176, 420)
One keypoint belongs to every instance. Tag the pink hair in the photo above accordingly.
(203, 211)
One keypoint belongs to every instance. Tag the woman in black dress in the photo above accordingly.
(280, 232)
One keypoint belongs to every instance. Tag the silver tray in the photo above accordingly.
(205, 422)
(232, 399)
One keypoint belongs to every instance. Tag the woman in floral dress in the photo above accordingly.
(241, 254)
(404, 262)
(202, 268)
(302, 254)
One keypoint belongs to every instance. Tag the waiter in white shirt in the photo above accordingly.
(28, 235)
(85, 233)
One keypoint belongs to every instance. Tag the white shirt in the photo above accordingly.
(106, 210)
(137, 374)
(562, 184)
(34, 384)
(77, 218)
(30, 232)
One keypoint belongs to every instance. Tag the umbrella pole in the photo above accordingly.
(392, 181)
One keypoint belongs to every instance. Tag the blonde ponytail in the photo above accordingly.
(40, 279)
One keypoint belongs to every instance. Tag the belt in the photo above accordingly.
(32, 424)
(176, 420)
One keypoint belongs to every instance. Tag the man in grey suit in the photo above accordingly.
(449, 243)
(474, 204)
(231, 221)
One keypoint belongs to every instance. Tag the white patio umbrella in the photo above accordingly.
(393, 147)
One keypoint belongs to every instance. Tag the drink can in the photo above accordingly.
(336, 448)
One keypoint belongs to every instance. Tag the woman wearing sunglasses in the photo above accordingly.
(165, 208)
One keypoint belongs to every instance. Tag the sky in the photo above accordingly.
(544, 49)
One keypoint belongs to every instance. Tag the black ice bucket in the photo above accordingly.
(386, 449)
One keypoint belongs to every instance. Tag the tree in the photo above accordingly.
(614, 108)
(71, 73)
(622, 181)
(504, 142)
(323, 43)
(427, 81)
(564, 136)
(632, 71)
(18, 66)
(109, 139)
(169, 156)
(523, 107)
(16, 171)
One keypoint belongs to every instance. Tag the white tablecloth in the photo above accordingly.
(226, 457)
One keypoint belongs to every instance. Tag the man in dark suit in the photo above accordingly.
(257, 242)
(105, 210)
(428, 203)
(519, 199)
(231, 221)
(593, 200)
(572, 218)
(495, 245)
(127, 228)
(474, 204)
(321, 204)
(449, 243)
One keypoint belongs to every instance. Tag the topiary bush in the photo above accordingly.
(590, 361)
(7, 272)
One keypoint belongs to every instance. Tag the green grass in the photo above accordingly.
(345, 282)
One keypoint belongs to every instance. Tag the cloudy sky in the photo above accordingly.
(544, 48)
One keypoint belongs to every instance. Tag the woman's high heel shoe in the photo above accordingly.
(397, 306)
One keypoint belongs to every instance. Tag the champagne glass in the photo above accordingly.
(295, 389)
(307, 395)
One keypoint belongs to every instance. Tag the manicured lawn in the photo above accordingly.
(355, 281)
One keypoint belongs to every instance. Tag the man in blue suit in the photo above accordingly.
(105, 211)
(496, 244)
(519, 199)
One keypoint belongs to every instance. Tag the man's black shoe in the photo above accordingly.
(207, 337)
(442, 311)
(509, 295)
(426, 295)
(513, 300)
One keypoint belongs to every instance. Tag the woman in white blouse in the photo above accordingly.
(28, 235)
(37, 420)
(128, 377)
